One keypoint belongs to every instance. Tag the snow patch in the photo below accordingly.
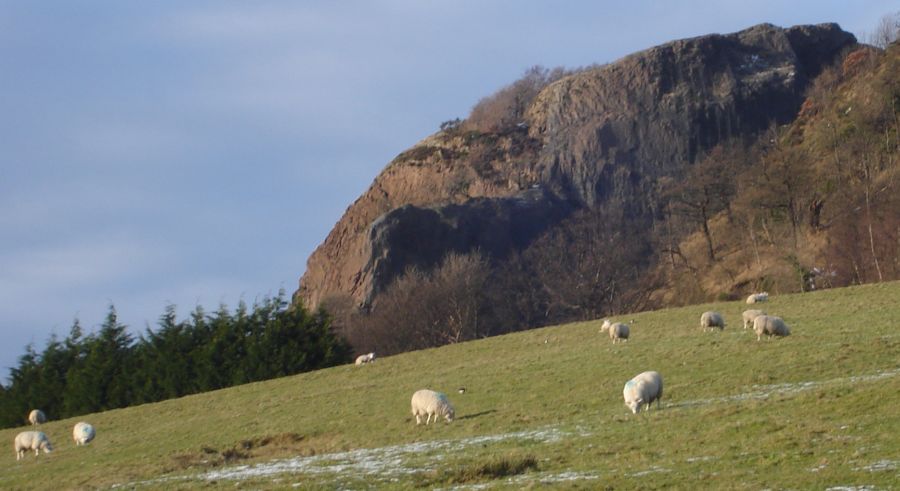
(653, 470)
(766, 391)
(382, 462)
(881, 465)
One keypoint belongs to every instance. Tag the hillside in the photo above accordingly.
(813, 410)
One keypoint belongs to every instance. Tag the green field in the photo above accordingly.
(817, 410)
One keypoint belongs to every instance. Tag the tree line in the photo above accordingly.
(112, 369)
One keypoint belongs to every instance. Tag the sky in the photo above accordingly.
(196, 153)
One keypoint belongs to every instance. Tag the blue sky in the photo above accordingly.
(189, 153)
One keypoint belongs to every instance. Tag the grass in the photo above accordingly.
(544, 407)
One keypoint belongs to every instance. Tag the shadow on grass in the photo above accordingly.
(472, 416)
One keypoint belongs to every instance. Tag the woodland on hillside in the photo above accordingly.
(807, 205)
(111, 369)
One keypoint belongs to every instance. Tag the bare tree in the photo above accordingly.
(886, 32)
(703, 191)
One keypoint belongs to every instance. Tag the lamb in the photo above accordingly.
(430, 403)
(83, 433)
(36, 417)
(758, 297)
(710, 320)
(749, 315)
(366, 358)
(643, 389)
(770, 326)
(32, 440)
(617, 330)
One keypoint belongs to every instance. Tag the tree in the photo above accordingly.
(506, 108)
(705, 190)
(102, 380)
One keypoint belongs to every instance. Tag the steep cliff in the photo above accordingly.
(600, 138)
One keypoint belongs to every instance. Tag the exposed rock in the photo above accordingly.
(599, 138)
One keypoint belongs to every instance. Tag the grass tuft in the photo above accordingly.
(494, 468)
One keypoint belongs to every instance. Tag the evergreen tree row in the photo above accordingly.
(111, 369)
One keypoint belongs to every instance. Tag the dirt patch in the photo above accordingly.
(268, 446)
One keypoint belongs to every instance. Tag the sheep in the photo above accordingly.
(770, 326)
(758, 297)
(366, 358)
(617, 330)
(36, 417)
(32, 440)
(749, 315)
(643, 389)
(83, 433)
(430, 403)
(710, 320)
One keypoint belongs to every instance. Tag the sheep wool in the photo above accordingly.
(83, 433)
(758, 297)
(643, 389)
(750, 315)
(32, 440)
(617, 331)
(429, 403)
(770, 325)
(711, 320)
(36, 417)
(366, 358)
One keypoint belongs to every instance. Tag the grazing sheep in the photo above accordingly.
(36, 417)
(430, 403)
(32, 440)
(617, 330)
(770, 326)
(749, 315)
(643, 389)
(710, 320)
(758, 297)
(366, 358)
(83, 433)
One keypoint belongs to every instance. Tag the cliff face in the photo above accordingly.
(600, 138)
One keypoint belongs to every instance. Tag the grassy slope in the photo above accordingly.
(564, 379)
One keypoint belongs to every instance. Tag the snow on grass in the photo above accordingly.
(881, 465)
(766, 391)
(382, 462)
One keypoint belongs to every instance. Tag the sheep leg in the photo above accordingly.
(418, 419)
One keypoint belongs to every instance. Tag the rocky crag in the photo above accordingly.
(600, 138)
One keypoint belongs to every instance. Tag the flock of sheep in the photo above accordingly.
(643, 389)
(648, 386)
(82, 433)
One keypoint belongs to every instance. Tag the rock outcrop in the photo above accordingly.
(600, 138)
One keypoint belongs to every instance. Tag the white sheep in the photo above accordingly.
(83, 433)
(749, 315)
(430, 403)
(36, 417)
(617, 330)
(366, 358)
(758, 297)
(770, 326)
(710, 320)
(643, 389)
(32, 440)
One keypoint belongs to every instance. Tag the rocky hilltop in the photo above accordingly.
(600, 139)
